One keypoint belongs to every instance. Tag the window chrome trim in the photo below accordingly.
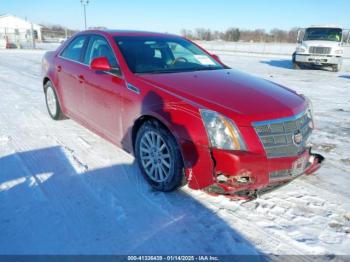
(121, 76)
(133, 88)
(71, 60)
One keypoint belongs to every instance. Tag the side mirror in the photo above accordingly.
(100, 64)
(300, 37)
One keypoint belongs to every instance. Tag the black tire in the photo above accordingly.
(175, 177)
(336, 68)
(57, 114)
(296, 66)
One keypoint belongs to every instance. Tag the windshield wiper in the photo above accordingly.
(163, 71)
(180, 70)
(206, 68)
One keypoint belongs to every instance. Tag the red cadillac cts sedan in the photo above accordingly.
(185, 116)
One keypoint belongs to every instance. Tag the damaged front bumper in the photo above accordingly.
(243, 175)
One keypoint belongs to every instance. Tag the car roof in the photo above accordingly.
(130, 33)
(325, 26)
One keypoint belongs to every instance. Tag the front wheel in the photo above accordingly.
(336, 68)
(159, 157)
(296, 66)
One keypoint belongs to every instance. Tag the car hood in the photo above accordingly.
(242, 97)
(332, 44)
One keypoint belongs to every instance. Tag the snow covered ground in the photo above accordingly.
(258, 48)
(64, 190)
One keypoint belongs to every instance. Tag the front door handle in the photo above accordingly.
(59, 68)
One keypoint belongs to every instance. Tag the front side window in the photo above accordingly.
(323, 34)
(99, 47)
(164, 55)
(75, 49)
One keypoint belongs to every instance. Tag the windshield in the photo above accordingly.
(163, 55)
(323, 34)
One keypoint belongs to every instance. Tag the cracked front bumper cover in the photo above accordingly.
(242, 182)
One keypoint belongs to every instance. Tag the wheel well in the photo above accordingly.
(46, 79)
(139, 122)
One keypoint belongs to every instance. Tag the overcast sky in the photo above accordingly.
(173, 15)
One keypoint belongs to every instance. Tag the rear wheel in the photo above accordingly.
(159, 157)
(52, 104)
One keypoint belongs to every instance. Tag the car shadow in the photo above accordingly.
(345, 76)
(281, 63)
(287, 64)
(49, 206)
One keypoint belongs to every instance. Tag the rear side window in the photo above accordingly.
(75, 49)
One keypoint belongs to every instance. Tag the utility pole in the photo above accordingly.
(84, 3)
(33, 36)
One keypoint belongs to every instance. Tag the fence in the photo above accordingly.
(256, 48)
(33, 38)
(17, 38)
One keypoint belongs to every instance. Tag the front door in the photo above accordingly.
(102, 103)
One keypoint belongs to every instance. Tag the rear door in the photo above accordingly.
(69, 68)
(102, 103)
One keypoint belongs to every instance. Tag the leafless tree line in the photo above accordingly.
(236, 34)
(56, 31)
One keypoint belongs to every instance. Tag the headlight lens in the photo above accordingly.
(222, 132)
(310, 111)
(300, 50)
(339, 52)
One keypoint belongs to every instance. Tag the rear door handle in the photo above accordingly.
(59, 68)
(81, 78)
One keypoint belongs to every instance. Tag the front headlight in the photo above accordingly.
(339, 52)
(309, 111)
(222, 132)
(300, 50)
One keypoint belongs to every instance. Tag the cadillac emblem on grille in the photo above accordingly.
(297, 138)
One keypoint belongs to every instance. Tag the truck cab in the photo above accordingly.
(320, 46)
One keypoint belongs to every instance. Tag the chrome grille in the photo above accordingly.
(277, 135)
(287, 173)
(320, 50)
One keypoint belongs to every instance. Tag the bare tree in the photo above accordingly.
(236, 34)
(203, 34)
(232, 34)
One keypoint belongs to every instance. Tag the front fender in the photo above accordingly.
(185, 123)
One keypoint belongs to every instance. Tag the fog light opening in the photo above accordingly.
(221, 178)
(233, 180)
(243, 179)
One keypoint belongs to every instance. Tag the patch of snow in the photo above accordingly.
(64, 190)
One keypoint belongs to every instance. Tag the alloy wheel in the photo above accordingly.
(51, 101)
(155, 156)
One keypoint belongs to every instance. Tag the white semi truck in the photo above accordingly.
(320, 46)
